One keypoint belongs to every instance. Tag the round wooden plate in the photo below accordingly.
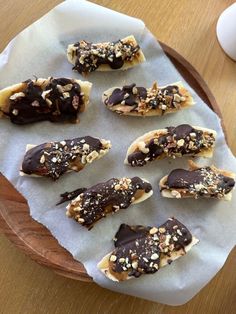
(33, 238)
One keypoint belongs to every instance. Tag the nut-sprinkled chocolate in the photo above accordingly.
(171, 142)
(154, 101)
(103, 198)
(130, 94)
(198, 182)
(143, 250)
(88, 57)
(142, 100)
(55, 158)
(52, 99)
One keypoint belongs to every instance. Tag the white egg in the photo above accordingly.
(226, 31)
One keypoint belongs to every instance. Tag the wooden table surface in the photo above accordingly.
(189, 27)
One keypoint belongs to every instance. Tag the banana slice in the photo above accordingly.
(183, 140)
(140, 101)
(52, 99)
(108, 197)
(53, 159)
(198, 182)
(107, 56)
(144, 250)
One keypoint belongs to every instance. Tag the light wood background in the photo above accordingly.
(189, 27)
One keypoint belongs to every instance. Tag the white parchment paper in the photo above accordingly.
(41, 50)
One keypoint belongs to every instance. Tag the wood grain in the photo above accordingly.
(189, 27)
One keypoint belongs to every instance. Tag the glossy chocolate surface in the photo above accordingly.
(106, 197)
(141, 99)
(139, 249)
(57, 106)
(55, 158)
(90, 56)
(202, 181)
(180, 140)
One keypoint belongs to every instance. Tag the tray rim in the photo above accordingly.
(78, 272)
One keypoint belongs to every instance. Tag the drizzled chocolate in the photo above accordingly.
(103, 198)
(141, 99)
(200, 182)
(68, 196)
(60, 100)
(140, 250)
(55, 158)
(178, 141)
(90, 56)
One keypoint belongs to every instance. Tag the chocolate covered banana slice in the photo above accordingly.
(108, 197)
(198, 182)
(183, 140)
(53, 159)
(140, 101)
(107, 56)
(52, 99)
(144, 250)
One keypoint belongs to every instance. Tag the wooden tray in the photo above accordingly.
(33, 238)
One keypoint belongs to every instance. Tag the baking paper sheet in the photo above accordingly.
(40, 50)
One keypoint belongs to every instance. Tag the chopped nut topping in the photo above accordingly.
(15, 112)
(112, 258)
(154, 256)
(142, 100)
(42, 159)
(59, 157)
(153, 230)
(66, 95)
(176, 142)
(179, 232)
(200, 182)
(144, 253)
(85, 146)
(47, 100)
(90, 56)
(35, 103)
(108, 197)
(135, 264)
(180, 142)
(92, 156)
(17, 95)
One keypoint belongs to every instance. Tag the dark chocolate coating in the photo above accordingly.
(118, 95)
(137, 243)
(64, 154)
(184, 239)
(157, 146)
(180, 178)
(61, 109)
(68, 196)
(186, 179)
(105, 55)
(102, 198)
(127, 234)
(181, 131)
(133, 99)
